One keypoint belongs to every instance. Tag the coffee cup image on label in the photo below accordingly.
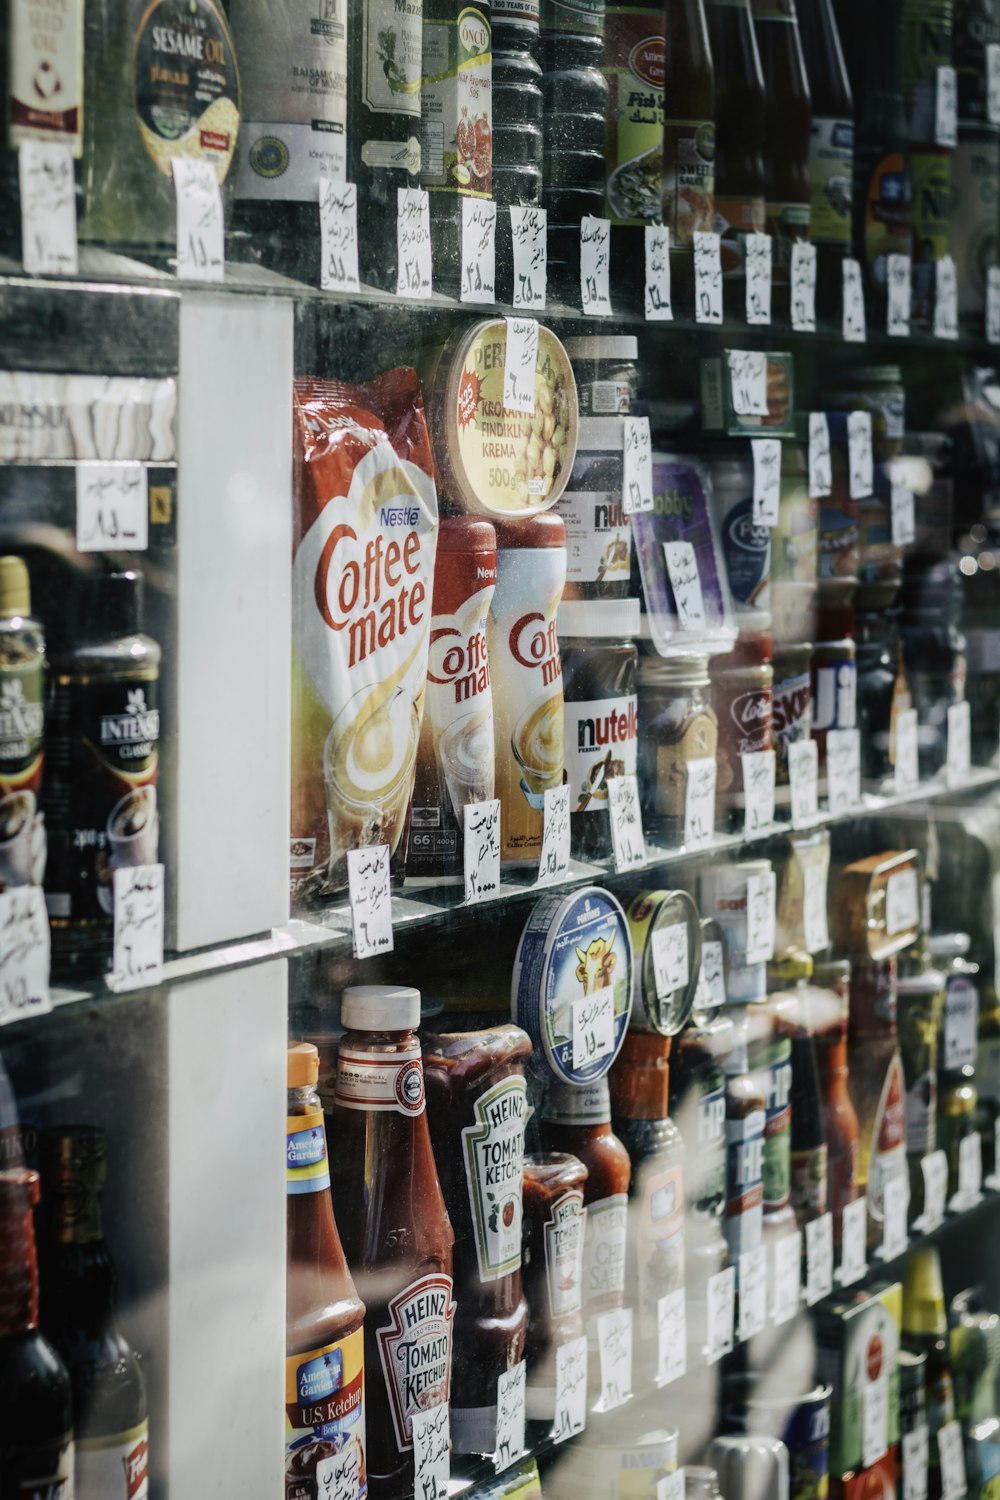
(537, 743)
(133, 838)
(22, 839)
(368, 763)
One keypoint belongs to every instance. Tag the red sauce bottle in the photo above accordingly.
(554, 1220)
(324, 1342)
(827, 1021)
(406, 1245)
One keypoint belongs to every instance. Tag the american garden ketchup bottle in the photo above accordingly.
(406, 1245)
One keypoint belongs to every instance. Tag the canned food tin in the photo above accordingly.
(666, 941)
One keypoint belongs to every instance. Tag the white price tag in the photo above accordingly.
(814, 922)
(520, 359)
(138, 943)
(946, 107)
(961, 1017)
(479, 251)
(553, 862)
(970, 1171)
(593, 1022)
(721, 1300)
(748, 378)
(875, 1420)
(614, 1345)
(760, 917)
(758, 274)
(371, 903)
(712, 978)
(803, 773)
(626, 823)
(595, 266)
(934, 1167)
(48, 208)
(820, 468)
(753, 1293)
(859, 454)
(528, 227)
(803, 286)
(671, 1486)
(685, 580)
(699, 801)
(766, 480)
(843, 769)
(787, 1286)
(511, 1390)
(853, 1232)
(112, 507)
(671, 1337)
(902, 901)
(201, 254)
(945, 299)
(707, 278)
(907, 768)
(915, 1463)
(993, 302)
(481, 822)
(895, 1198)
(431, 1453)
(637, 473)
(819, 1258)
(959, 753)
(24, 951)
(671, 963)
(758, 787)
(951, 1450)
(904, 521)
(898, 304)
(993, 82)
(339, 1476)
(853, 323)
(658, 306)
(571, 1389)
(413, 243)
(338, 228)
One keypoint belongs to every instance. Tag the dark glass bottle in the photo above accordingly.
(575, 128)
(689, 95)
(739, 137)
(925, 1331)
(36, 1398)
(810, 1154)
(517, 120)
(831, 151)
(79, 1316)
(787, 128)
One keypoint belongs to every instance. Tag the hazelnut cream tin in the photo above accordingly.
(571, 988)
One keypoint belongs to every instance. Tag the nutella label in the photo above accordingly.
(494, 1158)
(381, 1081)
(415, 1352)
(564, 1235)
(114, 1468)
(598, 537)
(601, 741)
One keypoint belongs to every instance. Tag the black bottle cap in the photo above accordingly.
(114, 606)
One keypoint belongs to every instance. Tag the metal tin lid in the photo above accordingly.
(927, 982)
(380, 1007)
(665, 928)
(751, 1467)
(673, 671)
(598, 619)
(600, 435)
(603, 346)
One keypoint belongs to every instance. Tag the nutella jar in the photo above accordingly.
(793, 711)
(677, 725)
(743, 697)
(607, 376)
(598, 532)
(600, 719)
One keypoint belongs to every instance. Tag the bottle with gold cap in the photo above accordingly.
(22, 729)
(925, 1330)
(78, 1314)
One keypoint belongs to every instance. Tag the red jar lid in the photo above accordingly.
(532, 531)
(466, 534)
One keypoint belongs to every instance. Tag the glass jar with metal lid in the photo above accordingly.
(607, 377)
(677, 725)
(598, 533)
(743, 697)
(878, 390)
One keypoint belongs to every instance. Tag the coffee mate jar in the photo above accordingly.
(526, 669)
(493, 461)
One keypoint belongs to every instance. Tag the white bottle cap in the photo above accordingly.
(380, 1007)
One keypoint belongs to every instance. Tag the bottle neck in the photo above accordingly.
(18, 1273)
(640, 1078)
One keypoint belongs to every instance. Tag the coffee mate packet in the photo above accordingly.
(365, 533)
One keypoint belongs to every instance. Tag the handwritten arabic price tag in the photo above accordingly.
(766, 480)
(721, 1300)
(915, 1463)
(511, 1388)
(519, 363)
(898, 307)
(413, 243)
(431, 1453)
(201, 254)
(902, 901)
(685, 580)
(758, 789)
(671, 1337)
(112, 508)
(946, 107)
(482, 850)
(571, 1389)
(658, 306)
(595, 262)
(371, 902)
(814, 922)
(875, 1419)
(553, 862)
(712, 978)
(748, 378)
(338, 228)
(758, 272)
(528, 227)
(626, 823)
(338, 1477)
(138, 942)
(637, 476)
(993, 82)
(760, 917)
(48, 209)
(699, 801)
(753, 1293)
(671, 1486)
(820, 469)
(819, 1258)
(904, 526)
(853, 1226)
(803, 771)
(787, 1286)
(803, 287)
(895, 1194)
(945, 299)
(479, 251)
(859, 454)
(907, 769)
(707, 278)
(970, 1171)
(843, 769)
(853, 325)
(952, 1453)
(593, 1024)
(24, 954)
(959, 732)
(934, 1167)
(614, 1345)
(993, 301)
(671, 963)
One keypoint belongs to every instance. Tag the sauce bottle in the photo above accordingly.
(575, 127)
(920, 998)
(787, 128)
(883, 187)
(810, 1153)
(739, 137)
(554, 1227)
(324, 1342)
(831, 150)
(406, 1246)
(877, 1084)
(110, 1416)
(22, 729)
(827, 1019)
(36, 1397)
(746, 1114)
(477, 1105)
(634, 66)
(688, 136)
(925, 1330)
(771, 1028)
